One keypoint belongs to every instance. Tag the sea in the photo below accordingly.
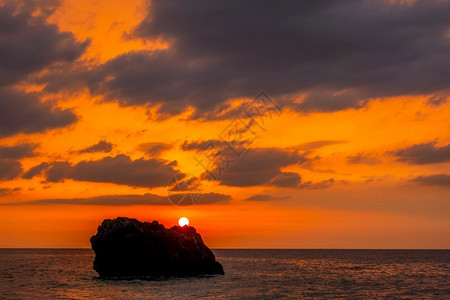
(249, 274)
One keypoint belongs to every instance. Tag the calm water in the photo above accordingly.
(68, 274)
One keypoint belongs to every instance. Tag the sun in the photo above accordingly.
(183, 221)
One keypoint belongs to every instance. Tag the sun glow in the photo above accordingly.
(183, 221)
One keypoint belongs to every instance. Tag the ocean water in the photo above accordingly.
(261, 274)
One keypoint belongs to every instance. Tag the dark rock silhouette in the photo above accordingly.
(126, 247)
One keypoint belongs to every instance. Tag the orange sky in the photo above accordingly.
(357, 190)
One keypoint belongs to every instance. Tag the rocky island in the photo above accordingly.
(126, 247)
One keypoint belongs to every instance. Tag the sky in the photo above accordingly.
(292, 124)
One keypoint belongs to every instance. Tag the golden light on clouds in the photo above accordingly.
(360, 160)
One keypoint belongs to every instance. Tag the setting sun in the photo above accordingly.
(183, 221)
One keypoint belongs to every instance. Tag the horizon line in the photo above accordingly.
(68, 248)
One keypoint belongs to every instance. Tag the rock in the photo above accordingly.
(126, 247)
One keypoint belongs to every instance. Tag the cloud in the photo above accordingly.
(101, 146)
(221, 111)
(286, 179)
(201, 145)
(437, 100)
(29, 43)
(215, 145)
(310, 146)
(264, 197)
(425, 153)
(8, 191)
(18, 151)
(9, 169)
(125, 200)
(58, 171)
(119, 170)
(332, 54)
(257, 166)
(329, 100)
(317, 185)
(436, 180)
(25, 113)
(10, 166)
(154, 149)
(362, 159)
(36, 170)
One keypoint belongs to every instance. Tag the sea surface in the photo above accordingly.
(249, 274)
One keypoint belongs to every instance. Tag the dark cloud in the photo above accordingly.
(362, 159)
(10, 166)
(221, 111)
(124, 200)
(264, 197)
(29, 43)
(18, 151)
(337, 54)
(328, 100)
(101, 146)
(258, 166)
(437, 180)
(200, 145)
(9, 191)
(317, 185)
(10, 169)
(154, 149)
(58, 171)
(228, 147)
(254, 166)
(119, 170)
(25, 113)
(437, 100)
(36, 170)
(426, 153)
(286, 179)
